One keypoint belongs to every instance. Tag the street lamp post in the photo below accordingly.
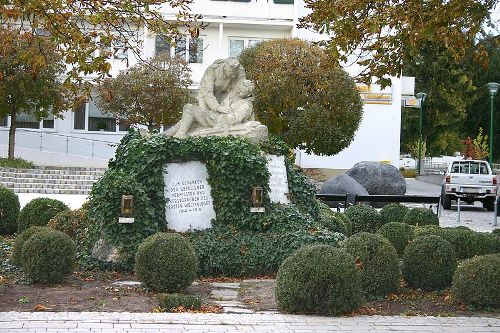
(493, 87)
(421, 98)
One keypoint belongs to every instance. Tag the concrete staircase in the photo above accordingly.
(50, 180)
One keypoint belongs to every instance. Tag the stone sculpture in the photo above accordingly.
(225, 105)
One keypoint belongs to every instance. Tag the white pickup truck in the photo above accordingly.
(469, 180)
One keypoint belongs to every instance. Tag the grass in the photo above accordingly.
(17, 163)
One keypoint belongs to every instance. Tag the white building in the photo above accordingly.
(84, 137)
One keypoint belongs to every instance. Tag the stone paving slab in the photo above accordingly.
(22, 322)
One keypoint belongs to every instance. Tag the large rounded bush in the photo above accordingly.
(71, 222)
(378, 261)
(17, 249)
(421, 216)
(333, 221)
(166, 262)
(363, 218)
(399, 234)
(475, 281)
(488, 243)
(429, 263)
(466, 242)
(48, 256)
(319, 279)
(9, 210)
(39, 211)
(393, 212)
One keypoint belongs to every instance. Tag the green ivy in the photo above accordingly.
(234, 167)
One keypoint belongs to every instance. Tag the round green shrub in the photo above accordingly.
(71, 222)
(17, 249)
(421, 216)
(378, 261)
(488, 243)
(332, 221)
(39, 211)
(48, 256)
(166, 262)
(475, 281)
(399, 234)
(393, 212)
(429, 263)
(363, 218)
(319, 279)
(496, 232)
(467, 243)
(9, 210)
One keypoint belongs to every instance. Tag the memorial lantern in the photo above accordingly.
(257, 196)
(127, 205)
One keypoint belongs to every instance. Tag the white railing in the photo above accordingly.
(61, 144)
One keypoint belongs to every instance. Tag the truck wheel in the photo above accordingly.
(445, 200)
(489, 204)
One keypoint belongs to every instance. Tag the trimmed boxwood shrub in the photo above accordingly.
(421, 216)
(71, 222)
(496, 232)
(333, 221)
(363, 218)
(9, 210)
(488, 243)
(399, 234)
(39, 211)
(48, 256)
(429, 263)
(475, 281)
(393, 212)
(17, 249)
(319, 279)
(170, 301)
(378, 261)
(231, 252)
(466, 242)
(166, 262)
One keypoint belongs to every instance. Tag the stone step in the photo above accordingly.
(62, 181)
(46, 186)
(50, 191)
(52, 171)
(19, 175)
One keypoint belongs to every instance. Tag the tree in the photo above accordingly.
(477, 148)
(384, 35)
(149, 94)
(88, 31)
(302, 95)
(450, 91)
(29, 71)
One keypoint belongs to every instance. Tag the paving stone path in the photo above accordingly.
(17, 322)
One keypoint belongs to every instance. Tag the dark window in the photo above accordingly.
(180, 47)
(25, 120)
(162, 45)
(48, 123)
(79, 116)
(124, 125)
(284, 1)
(102, 124)
(3, 121)
(196, 50)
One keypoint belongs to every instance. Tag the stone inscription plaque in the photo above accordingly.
(188, 195)
(278, 180)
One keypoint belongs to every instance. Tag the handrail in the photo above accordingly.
(57, 134)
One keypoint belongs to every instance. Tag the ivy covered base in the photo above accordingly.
(239, 242)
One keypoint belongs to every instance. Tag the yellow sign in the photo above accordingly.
(368, 96)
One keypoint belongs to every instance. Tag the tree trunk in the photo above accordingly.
(12, 133)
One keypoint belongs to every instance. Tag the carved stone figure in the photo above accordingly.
(225, 105)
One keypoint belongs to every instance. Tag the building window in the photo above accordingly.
(3, 121)
(96, 120)
(119, 48)
(79, 117)
(188, 48)
(289, 2)
(48, 122)
(238, 44)
(24, 120)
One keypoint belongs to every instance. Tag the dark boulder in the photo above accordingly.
(378, 178)
(343, 184)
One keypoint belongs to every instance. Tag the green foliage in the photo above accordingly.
(9, 210)
(71, 222)
(166, 262)
(399, 234)
(170, 301)
(477, 148)
(48, 256)
(234, 166)
(378, 261)
(231, 252)
(475, 281)
(334, 221)
(318, 279)
(488, 243)
(17, 249)
(429, 263)
(363, 218)
(409, 173)
(150, 94)
(496, 232)
(393, 212)
(39, 211)
(302, 95)
(390, 37)
(421, 216)
(467, 243)
(16, 163)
